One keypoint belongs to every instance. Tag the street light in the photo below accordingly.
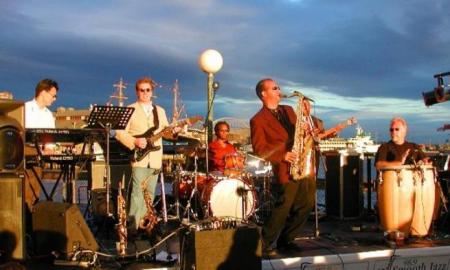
(210, 62)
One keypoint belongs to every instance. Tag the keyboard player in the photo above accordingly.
(37, 115)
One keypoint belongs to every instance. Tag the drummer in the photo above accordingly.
(398, 151)
(219, 149)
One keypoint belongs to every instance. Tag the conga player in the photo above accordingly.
(398, 151)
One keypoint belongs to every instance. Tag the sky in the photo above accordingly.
(368, 59)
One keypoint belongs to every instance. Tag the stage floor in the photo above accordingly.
(341, 244)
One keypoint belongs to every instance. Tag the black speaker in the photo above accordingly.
(96, 172)
(221, 249)
(12, 217)
(60, 227)
(11, 136)
(343, 188)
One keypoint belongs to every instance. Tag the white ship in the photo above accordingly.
(361, 143)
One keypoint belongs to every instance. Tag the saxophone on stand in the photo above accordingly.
(121, 226)
(149, 220)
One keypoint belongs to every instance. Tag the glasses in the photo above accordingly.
(53, 96)
(145, 90)
(392, 129)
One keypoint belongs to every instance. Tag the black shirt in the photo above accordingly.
(393, 152)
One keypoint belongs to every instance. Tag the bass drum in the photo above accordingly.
(224, 198)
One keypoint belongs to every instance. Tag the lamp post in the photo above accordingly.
(210, 62)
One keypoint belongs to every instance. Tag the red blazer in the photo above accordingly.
(271, 141)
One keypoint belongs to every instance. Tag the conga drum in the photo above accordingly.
(406, 199)
(425, 193)
(396, 199)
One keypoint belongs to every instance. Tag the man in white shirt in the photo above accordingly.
(37, 114)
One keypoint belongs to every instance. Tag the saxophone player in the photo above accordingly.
(273, 130)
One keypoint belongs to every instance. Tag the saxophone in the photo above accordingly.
(122, 218)
(149, 220)
(304, 164)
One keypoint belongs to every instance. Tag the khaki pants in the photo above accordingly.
(32, 188)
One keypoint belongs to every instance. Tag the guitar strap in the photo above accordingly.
(155, 118)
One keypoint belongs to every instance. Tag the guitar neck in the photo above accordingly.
(333, 130)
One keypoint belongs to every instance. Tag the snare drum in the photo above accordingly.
(224, 198)
(234, 165)
(406, 198)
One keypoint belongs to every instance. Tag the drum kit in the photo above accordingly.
(228, 195)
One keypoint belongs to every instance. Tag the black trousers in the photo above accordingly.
(294, 201)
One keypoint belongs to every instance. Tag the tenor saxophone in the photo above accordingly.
(303, 166)
(149, 220)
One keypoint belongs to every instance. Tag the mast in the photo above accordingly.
(119, 94)
(177, 107)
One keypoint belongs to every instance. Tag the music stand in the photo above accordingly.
(108, 118)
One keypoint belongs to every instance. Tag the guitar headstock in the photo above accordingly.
(352, 121)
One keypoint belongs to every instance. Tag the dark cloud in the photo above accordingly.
(355, 49)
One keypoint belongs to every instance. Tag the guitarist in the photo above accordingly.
(147, 115)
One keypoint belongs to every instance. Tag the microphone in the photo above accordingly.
(297, 94)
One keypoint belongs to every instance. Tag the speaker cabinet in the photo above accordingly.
(60, 227)
(11, 136)
(343, 190)
(14, 109)
(12, 217)
(221, 249)
(96, 171)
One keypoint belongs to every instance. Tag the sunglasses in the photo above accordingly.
(224, 130)
(392, 129)
(145, 90)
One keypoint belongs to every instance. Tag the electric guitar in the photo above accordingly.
(140, 153)
(337, 128)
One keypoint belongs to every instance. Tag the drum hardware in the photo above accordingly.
(188, 210)
(177, 205)
(242, 192)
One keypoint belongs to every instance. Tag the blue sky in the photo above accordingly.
(369, 59)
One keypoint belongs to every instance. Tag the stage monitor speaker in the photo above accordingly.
(343, 188)
(12, 217)
(221, 249)
(96, 171)
(60, 227)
